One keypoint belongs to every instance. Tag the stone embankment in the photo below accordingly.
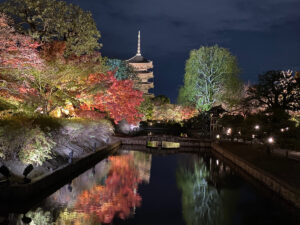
(282, 188)
(10, 194)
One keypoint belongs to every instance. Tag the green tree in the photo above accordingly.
(146, 108)
(49, 20)
(211, 77)
(123, 70)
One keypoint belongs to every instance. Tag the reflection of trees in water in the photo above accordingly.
(142, 162)
(201, 202)
(117, 197)
(98, 195)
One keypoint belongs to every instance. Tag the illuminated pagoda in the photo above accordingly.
(144, 69)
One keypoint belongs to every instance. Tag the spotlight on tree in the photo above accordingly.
(27, 170)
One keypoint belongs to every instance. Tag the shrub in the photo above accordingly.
(23, 138)
(37, 147)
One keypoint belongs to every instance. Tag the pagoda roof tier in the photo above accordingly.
(142, 67)
(138, 59)
(144, 86)
(145, 75)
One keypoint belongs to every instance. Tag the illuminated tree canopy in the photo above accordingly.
(276, 90)
(51, 20)
(211, 76)
(116, 97)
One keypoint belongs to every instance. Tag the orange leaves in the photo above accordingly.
(171, 112)
(119, 99)
(117, 197)
(188, 112)
(16, 50)
(54, 50)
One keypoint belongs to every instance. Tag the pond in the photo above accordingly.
(135, 187)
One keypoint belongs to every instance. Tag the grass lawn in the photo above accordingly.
(287, 170)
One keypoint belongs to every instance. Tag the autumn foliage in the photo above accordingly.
(16, 50)
(117, 197)
(172, 112)
(116, 97)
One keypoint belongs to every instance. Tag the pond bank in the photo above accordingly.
(21, 194)
(279, 174)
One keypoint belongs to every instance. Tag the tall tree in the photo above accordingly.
(211, 77)
(48, 20)
(276, 91)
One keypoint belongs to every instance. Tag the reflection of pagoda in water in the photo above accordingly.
(143, 162)
(144, 69)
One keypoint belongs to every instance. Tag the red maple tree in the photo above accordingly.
(116, 97)
(16, 50)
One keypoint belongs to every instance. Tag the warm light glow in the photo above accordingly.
(239, 132)
(218, 136)
(256, 127)
(217, 161)
(253, 136)
(271, 140)
(133, 127)
(286, 128)
(229, 131)
(282, 130)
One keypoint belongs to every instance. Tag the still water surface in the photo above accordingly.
(138, 188)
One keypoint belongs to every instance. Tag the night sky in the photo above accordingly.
(262, 34)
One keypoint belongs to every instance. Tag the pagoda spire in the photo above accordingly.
(139, 45)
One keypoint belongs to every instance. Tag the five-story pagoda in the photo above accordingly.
(144, 69)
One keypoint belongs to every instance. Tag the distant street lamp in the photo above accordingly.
(271, 140)
(256, 127)
(229, 131)
(218, 136)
